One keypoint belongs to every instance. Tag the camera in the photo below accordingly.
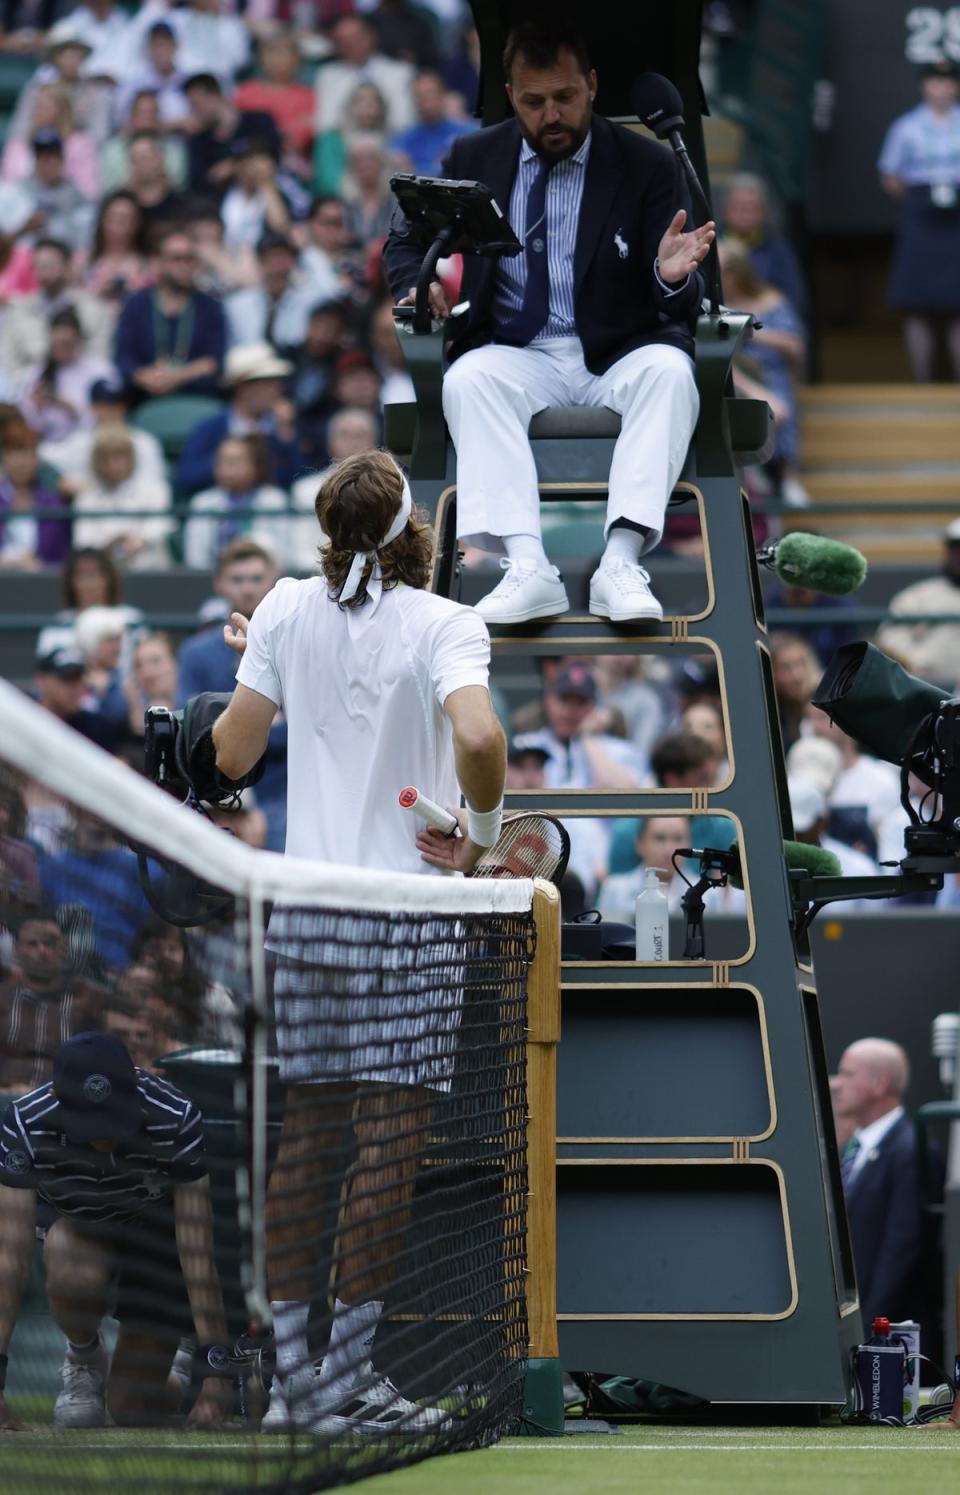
(161, 729)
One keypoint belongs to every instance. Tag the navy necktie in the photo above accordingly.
(847, 1160)
(524, 325)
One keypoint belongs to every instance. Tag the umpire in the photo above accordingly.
(116, 1155)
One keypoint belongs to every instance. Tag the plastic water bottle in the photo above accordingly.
(652, 919)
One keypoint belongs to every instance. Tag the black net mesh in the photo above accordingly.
(263, 1226)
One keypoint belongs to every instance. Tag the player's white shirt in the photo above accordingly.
(363, 693)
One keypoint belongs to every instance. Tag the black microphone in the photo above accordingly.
(657, 104)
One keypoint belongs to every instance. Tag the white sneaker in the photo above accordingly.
(525, 592)
(297, 1402)
(794, 494)
(376, 1408)
(81, 1401)
(620, 591)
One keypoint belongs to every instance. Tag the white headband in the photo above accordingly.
(362, 558)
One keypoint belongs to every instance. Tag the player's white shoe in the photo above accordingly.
(372, 1406)
(620, 591)
(526, 592)
(376, 1409)
(81, 1403)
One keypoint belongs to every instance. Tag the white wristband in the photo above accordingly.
(483, 826)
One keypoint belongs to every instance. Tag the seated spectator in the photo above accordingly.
(205, 35)
(396, 386)
(66, 58)
(51, 112)
(160, 74)
(366, 188)
(622, 685)
(99, 636)
(350, 431)
(277, 92)
(930, 650)
(461, 72)
(28, 543)
(356, 383)
(115, 157)
(16, 257)
(657, 838)
(240, 471)
(123, 1017)
(588, 837)
(426, 143)
(220, 270)
(152, 679)
(864, 792)
(137, 530)
(25, 329)
(255, 204)
(681, 760)
(90, 578)
(747, 217)
(59, 687)
(277, 310)
(106, 28)
(808, 810)
(579, 757)
(93, 871)
(326, 259)
(197, 1009)
(705, 719)
(357, 60)
(311, 388)
(244, 574)
(18, 859)
(72, 458)
(58, 206)
(171, 338)
(149, 182)
(253, 376)
(796, 675)
(364, 113)
(406, 32)
(55, 395)
(776, 355)
(213, 127)
(42, 1004)
(119, 263)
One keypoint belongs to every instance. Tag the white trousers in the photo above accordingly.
(491, 393)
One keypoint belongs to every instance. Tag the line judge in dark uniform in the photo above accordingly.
(598, 310)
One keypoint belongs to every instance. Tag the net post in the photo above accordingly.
(543, 1393)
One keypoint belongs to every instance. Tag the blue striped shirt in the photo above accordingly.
(97, 1186)
(564, 195)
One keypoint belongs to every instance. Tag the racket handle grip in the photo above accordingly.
(428, 810)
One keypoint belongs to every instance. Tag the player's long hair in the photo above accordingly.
(356, 505)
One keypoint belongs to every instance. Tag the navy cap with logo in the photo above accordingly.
(96, 1084)
(107, 392)
(63, 661)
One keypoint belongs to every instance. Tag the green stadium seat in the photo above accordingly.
(172, 417)
(15, 72)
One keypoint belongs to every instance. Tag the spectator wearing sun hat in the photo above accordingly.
(254, 377)
(931, 650)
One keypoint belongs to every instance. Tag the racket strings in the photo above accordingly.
(529, 845)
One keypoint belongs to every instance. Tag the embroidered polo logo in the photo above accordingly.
(97, 1089)
(16, 1162)
(623, 248)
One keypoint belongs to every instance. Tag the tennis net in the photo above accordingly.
(263, 1155)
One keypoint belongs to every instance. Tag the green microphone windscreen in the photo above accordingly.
(811, 859)
(818, 563)
(802, 858)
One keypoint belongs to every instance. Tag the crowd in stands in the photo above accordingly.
(194, 323)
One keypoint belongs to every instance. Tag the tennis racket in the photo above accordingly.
(529, 844)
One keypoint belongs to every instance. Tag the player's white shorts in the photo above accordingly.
(384, 1009)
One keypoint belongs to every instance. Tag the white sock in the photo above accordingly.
(351, 1341)
(83, 1354)
(290, 1333)
(528, 548)
(624, 545)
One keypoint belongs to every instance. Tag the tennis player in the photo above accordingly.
(382, 684)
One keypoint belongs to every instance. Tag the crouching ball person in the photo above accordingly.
(382, 684)
(117, 1155)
